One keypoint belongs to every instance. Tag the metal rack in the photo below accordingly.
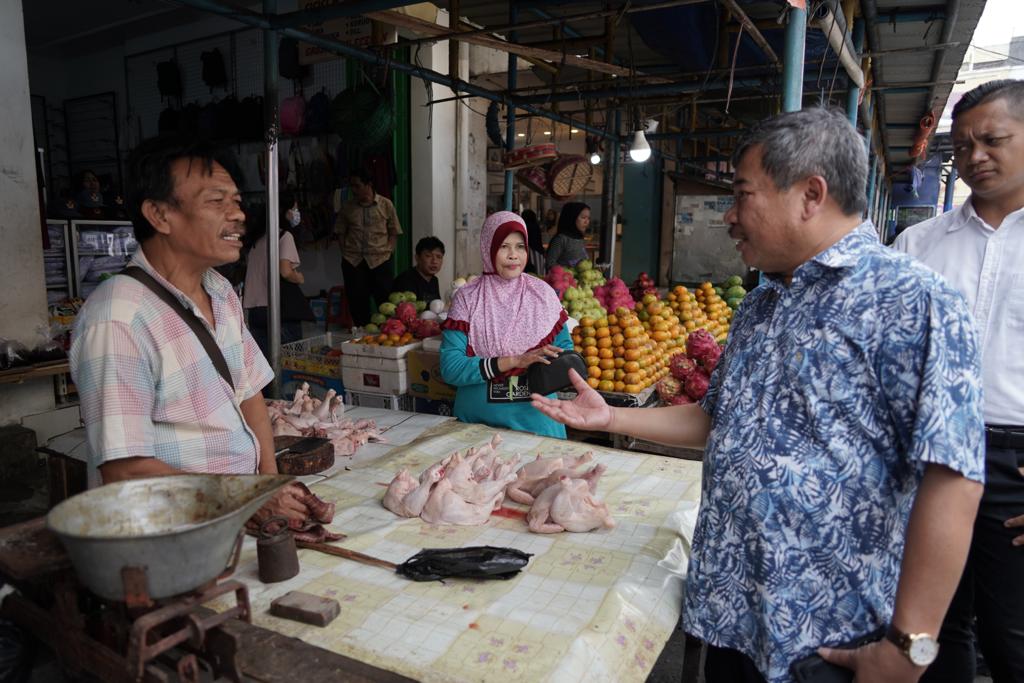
(92, 136)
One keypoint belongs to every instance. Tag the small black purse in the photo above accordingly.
(554, 376)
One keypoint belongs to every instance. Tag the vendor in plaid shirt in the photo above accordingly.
(152, 400)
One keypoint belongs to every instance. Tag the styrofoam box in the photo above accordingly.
(376, 380)
(366, 400)
(375, 363)
(377, 350)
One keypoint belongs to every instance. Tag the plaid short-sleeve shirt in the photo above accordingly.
(148, 387)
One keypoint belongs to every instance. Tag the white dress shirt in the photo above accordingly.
(987, 266)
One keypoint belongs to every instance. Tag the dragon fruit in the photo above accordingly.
(710, 362)
(700, 345)
(393, 326)
(697, 385)
(681, 367)
(679, 400)
(426, 328)
(668, 387)
(406, 312)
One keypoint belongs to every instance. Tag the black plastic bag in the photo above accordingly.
(478, 562)
(15, 654)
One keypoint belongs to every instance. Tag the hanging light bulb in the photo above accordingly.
(640, 150)
(595, 158)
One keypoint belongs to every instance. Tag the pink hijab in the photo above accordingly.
(504, 317)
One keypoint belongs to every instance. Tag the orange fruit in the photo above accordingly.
(605, 363)
(633, 388)
(631, 366)
(601, 322)
(587, 331)
(632, 354)
(617, 339)
(589, 341)
(593, 382)
(632, 378)
(591, 361)
(606, 385)
(620, 386)
(604, 353)
(593, 371)
(590, 351)
(607, 375)
(588, 322)
(619, 362)
(603, 333)
(604, 343)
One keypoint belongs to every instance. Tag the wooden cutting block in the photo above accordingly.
(312, 456)
(305, 608)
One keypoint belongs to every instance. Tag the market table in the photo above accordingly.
(597, 606)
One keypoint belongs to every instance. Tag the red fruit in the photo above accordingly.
(700, 345)
(669, 386)
(681, 367)
(697, 385)
(710, 362)
(406, 312)
(678, 400)
(393, 326)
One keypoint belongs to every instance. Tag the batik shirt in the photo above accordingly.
(832, 395)
(147, 385)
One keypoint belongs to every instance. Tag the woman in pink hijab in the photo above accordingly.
(499, 325)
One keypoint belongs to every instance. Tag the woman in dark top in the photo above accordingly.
(566, 248)
(535, 244)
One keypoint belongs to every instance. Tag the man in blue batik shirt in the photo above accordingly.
(843, 428)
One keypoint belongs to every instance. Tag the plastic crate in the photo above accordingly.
(307, 356)
(367, 400)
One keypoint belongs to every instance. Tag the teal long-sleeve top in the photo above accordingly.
(471, 404)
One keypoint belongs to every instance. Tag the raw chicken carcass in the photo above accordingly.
(446, 507)
(527, 485)
(568, 506)
(407, 496)
(591, 476)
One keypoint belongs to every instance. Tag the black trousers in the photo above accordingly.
(992, 587)
(722, 665)
(362, 282)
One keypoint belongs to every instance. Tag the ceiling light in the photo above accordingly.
(640, 150)
(520, 135)
(595, 158)
(547, 132)
(574, 130)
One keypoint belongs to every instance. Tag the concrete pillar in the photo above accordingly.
(433, 158)
(23, 300)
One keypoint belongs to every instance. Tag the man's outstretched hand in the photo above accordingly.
(587, 411)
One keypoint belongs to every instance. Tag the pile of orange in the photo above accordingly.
(620, 353)
(387, 339)
(701, 308)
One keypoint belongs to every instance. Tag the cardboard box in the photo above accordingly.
(318, 384)
(425, 377)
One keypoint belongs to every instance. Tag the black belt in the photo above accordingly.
(1004, 436)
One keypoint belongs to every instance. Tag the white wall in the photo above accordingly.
(23, 297)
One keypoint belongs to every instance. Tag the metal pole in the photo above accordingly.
(270, 39)
(510, 120)
(947, 200)
(853, 94)
(613, 168)
(871, 183)
(793, 60)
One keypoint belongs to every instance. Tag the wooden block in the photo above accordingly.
(307, 608)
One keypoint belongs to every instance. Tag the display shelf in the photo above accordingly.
(19, 375)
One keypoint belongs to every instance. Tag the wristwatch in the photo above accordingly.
(920, 648)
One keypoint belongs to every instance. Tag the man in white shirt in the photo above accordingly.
(979, 248)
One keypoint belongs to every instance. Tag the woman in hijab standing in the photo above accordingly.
(499, 325)
(566, 248)
(535, 244)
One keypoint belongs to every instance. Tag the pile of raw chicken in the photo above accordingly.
(306, 415)
(466, 488)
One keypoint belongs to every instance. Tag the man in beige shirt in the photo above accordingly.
(368, 229)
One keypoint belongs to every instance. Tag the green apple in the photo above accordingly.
(388, 308)
(378, 318)
(396, 298)
(372, 329)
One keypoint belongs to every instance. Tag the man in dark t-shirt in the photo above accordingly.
(422, 277)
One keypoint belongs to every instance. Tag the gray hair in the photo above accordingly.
(815, 141)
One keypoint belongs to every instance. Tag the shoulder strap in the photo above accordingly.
(205, 338)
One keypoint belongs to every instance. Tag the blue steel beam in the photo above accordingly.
(316, 15)
(853, 94)
(793, 60)
(510, 120)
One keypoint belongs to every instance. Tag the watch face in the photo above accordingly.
(923, 650)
